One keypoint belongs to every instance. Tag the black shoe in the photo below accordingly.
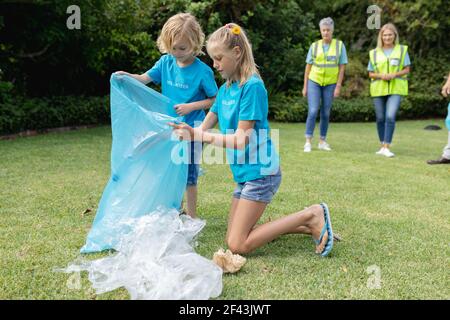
(442, 160)
(432, 127)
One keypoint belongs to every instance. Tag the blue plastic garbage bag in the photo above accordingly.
(148, 164)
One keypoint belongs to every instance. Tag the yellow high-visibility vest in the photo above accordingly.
(325, 67)
(383, 64)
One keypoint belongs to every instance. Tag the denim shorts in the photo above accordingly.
(195, 150)
(262, 189)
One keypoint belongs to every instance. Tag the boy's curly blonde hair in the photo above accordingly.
(184, 25)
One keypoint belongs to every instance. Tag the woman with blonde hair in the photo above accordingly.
(388, 66)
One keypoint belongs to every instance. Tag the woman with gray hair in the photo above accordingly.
(324, 72)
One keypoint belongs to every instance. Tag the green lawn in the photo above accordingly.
(391, 213)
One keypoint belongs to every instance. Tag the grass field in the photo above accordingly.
(393, 214)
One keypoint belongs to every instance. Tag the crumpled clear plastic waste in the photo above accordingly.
(156, 260)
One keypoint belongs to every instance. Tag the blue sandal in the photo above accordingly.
(326, 227)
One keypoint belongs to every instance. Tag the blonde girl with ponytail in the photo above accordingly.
(241, 110)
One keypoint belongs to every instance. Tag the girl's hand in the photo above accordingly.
(122, 73)
(186, 132)
(304, 91)
(183, 109)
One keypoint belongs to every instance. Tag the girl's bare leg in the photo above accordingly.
(234, 203)
(243, 238)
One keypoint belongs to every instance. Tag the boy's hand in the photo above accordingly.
(183, 109)
(186, 132)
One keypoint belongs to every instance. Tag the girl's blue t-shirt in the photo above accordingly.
(192, 83)
(247, 102)
(388, 52)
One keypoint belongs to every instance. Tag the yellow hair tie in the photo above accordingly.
(236, 30)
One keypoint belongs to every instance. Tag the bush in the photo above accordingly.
(358, 109)
(20, 114)
(422, 105)
(356, 82)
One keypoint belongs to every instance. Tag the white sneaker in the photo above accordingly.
(380, 152)
(324, 146)
(307, 147)
(388, 153)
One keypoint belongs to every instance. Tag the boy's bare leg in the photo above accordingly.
(191, 201)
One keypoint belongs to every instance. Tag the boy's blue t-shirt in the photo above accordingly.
(342, 58)
(248, 102)
(192, 83)
(388, 52)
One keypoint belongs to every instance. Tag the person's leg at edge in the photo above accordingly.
(445, 158)
(446, 152)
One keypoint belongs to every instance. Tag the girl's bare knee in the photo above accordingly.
(237, 247)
